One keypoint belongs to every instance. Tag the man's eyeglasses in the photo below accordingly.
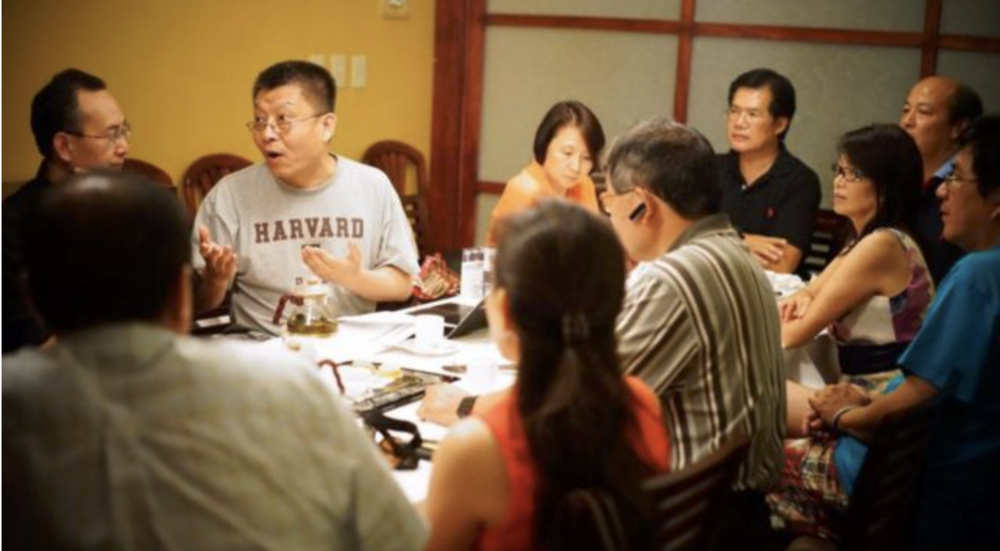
(607, 199)
(754, 116)
(281, 125)
(113, 137)
(847, 173)
(952, 179)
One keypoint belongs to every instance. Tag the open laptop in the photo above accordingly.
(459, 319)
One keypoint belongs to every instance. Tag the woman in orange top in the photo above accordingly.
(566, 143)
(572, 420)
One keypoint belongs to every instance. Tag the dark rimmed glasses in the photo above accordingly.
(847, 173)
(281, 124)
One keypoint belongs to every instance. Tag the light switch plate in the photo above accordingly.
(359, 71)
(338, 68)
(396, 9)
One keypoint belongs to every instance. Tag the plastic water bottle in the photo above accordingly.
(472, 273)
(489, 255)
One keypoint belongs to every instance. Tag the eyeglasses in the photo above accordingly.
(952, 179)
(847, 173)
(114, 136)
(734, 113)
(607, 199)
(281, 125)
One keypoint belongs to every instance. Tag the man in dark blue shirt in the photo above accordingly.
(935, 113)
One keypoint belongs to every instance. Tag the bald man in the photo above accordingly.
(935, 113)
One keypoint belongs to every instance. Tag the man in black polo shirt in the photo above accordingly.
(935, 113)
(770, 196)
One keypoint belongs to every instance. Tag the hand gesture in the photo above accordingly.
(332, 269)
(768, 250)
(440, 404)
(833, 398)
(220, 262)
(795, 306)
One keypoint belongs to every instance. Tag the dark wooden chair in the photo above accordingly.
(829, 232)
(149, 170)
(689, 503)
(589, 519)
(407, 170)
(204, 173)
(886, 489)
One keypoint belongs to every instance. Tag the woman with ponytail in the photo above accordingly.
(572, 420)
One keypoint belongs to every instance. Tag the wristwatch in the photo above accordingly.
(465, 406)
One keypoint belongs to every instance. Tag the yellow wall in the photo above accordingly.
(183, 69)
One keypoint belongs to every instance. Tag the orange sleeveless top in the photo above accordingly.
(530, 186)
(516, 530)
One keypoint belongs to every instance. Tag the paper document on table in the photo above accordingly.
(383, 328)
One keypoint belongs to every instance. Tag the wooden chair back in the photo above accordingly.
(407, 170)
(829, 231)
(886, 488)
(204, 173)
(689, 503)
(589, 519)
(149, 170)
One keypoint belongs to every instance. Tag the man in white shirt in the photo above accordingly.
(128, 435)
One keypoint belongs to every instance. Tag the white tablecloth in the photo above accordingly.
(352, 341)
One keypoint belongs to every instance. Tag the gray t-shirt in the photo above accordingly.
(268, 222)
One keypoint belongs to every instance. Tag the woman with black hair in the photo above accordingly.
(567, 143)
(572, 420)
(873, 298)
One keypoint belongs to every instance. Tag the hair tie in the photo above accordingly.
(575, 328)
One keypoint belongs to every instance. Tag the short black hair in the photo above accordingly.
(964, 104)
(106, 247)
(983, 135)
(317, 83)
(567, 113)
(55, 107)
(889, 157)
(674, 162)
(782, 93)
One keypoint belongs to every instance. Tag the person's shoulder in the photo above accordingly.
(882, 240)
(244, 176)
(359, 170)
(248, 365)
(526, 182)
(798, 168)
(883, 244)
(27, 371)
(25, 196)
(981, 266)
(642, 391)
(356, 175)
(244, 182)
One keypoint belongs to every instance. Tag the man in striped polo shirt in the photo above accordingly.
(700, 323)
